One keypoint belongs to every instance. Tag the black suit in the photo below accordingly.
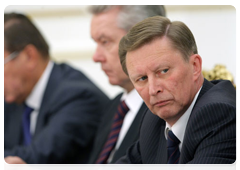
(105, 127)
(67, 121)
(210, 136)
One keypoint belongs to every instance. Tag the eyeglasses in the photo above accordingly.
(11, 57)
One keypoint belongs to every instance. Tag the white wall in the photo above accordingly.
(67, 29)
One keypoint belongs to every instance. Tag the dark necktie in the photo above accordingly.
(114, 133)
(26, 125)
(173, 148)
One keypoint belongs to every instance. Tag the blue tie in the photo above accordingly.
(173, 148)
(26, 125)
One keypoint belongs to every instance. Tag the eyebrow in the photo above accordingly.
(99, 37)
(137, 76)
(102, 36)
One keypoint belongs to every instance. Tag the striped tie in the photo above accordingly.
(113, 136)
(26, 125)
(173, 148)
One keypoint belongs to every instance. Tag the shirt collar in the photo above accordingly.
(180, 126)
(35, 98)
(133, 100)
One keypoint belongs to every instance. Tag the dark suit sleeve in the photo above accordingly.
(133, 155)
(68, 129)
(216, 137)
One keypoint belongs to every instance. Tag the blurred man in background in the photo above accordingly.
(121, 122)
(51, 111)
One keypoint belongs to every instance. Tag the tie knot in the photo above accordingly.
(172, 139)
(173, 149)
(28, 110)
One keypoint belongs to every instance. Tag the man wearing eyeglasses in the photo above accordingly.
(51, 111)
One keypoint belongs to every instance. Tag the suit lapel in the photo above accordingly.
(206, 86)
(185, 147)
(162, 147)
(46, 104)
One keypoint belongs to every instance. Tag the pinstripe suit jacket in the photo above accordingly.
(210, 136)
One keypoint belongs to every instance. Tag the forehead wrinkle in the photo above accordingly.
(156, 63)
(154, 56)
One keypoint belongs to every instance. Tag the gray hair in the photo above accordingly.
(146, 31)
(130, 15)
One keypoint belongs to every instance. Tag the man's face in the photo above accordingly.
(14, 80)
(106, 34)
(162, 78)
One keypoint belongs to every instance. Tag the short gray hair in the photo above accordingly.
(155, 27)
(130, 15)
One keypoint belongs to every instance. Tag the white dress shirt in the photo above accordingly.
(180, 126)
(34, 100)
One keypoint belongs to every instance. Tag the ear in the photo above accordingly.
(196, 62)
(31, 56)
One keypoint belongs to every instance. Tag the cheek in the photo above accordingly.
(178, 89)
(8, 79)
(13, 80)
(113, 50)
(11, 83)
(174, 88)
(178, 80)
(113, 58)
(116, 67)
(172, 84)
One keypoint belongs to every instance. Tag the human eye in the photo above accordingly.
(142, 78)
(104, 42)
(164, 71)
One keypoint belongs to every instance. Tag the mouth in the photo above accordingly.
(161, 103)
(107, 72)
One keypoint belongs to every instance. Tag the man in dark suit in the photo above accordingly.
(66, 105)
(109, 24)
(192, 120)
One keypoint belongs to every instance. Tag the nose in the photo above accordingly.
(155, 86)
(98, 56)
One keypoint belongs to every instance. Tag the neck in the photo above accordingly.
(199, 83)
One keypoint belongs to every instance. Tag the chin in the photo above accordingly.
(8, 100)
(163, 114)
(114, 82)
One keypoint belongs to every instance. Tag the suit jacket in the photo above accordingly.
(210, 136)
(67, 121)
(105, 127)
